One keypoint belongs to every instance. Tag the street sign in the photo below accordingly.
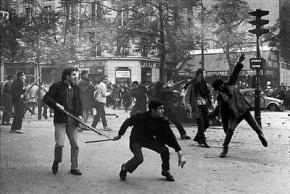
(257, 63)
(4, 15)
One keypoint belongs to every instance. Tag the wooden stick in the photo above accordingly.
(96, 141)
(80, 121)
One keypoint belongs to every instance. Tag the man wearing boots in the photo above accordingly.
(65, 95)
(151, 131)
(233, 107)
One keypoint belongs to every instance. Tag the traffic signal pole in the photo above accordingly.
(258, 90)
(258, 22)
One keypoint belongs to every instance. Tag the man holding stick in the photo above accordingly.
(65, 95)
(152, 131)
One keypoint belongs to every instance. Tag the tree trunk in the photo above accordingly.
(162, 49)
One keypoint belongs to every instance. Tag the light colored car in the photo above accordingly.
(269, 103)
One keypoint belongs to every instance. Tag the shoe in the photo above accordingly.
(184, 136)
(167, 174)
(75, 172)
(107, 129)
(54, 167)
(263, 140)
(205, 145)
(123, 173)
(224, 152)
(16, 131)
(198, 141)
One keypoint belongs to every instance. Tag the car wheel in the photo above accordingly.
(273, 107)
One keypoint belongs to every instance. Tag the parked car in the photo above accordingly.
(269, 103)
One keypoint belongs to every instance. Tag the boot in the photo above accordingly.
(123, 173)
(224, 152)
(54, 167)
(263, 140)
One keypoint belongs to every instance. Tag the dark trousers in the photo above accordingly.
(7, 113)
(100, 107)
(233, 123)
(202, 123)
(19, 109)
(136, 149)
(45, 107)
(174, 120)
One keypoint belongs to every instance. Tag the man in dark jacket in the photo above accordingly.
(233, 107)
(139, 92)
(165, 95)
(17, 95)
(198, 99)
(151, 131)
(7, 101)
(65, 95)
(86, 95)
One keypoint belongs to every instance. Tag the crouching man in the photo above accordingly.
(152, 131)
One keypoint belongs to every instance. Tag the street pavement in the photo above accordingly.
(26, 161)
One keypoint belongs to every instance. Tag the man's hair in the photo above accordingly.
(159, 85)
(199, 71)
(10, 77)
(19, 74)
(103, 77)
(154, 104)
(135, 82)
(67, 71)
(216, 83)
(84, 72)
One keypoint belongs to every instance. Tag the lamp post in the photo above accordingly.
(258, 63)
(202, 37)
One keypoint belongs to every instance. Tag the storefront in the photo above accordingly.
(123, 75)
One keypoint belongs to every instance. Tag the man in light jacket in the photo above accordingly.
(101, 99)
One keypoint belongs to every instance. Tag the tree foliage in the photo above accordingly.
(229, 17)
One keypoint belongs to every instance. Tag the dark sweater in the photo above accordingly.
(147, 128)
(58, 94)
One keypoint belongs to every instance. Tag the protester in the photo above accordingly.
(198, 98)
(164, 95)
(17, 95)
(65, 95)
(86, 95)
(152, 131)
(100, 96)
(7, 101)
(139, 92)
(40, 92)
(233, 107)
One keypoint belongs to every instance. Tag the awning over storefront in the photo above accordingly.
(218, 62)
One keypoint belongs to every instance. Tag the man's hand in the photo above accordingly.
(117, 138)
(181, 159)
(242, 57)
(80, 118)
(59, 106)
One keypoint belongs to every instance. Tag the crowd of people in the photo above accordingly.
(151, 111)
